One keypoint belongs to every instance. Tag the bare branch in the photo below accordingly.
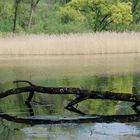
(83, 94)
(37, 2)
(77, 91)
(23, 81)
(97, 118)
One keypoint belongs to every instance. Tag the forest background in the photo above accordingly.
(69, 16)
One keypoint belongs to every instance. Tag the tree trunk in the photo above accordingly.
(32, 9)
(30, 18)
(15, 15)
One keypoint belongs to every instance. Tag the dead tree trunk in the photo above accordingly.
(82, 94)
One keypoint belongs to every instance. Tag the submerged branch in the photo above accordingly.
(88, 119)
(82, 94)
(32, 120)
(77, 91)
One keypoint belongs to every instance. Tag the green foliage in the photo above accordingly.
(6, 10)
(66, 16)
(121, 13)
(23, 15)
(6, 14)
(99, 14)
(50, 23)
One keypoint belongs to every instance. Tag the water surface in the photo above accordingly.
(118, 73)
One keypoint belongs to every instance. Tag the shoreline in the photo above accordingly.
(95, 54)
(71, 44)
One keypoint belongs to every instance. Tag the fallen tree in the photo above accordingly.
(87, 119)
(82, 94)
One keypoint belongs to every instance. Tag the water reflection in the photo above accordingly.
(78, 119)
(98, 131)
(103, 73)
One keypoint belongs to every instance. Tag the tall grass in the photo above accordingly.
(71, 44)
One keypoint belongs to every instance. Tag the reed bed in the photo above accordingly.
(71, 44)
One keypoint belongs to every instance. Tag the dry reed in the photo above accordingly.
(71, 44)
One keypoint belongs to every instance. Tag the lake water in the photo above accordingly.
(116, 73)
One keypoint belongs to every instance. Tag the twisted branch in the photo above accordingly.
(97, 118)
(82, 94)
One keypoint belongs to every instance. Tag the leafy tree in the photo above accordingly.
(6, 16)
(23, 16)
(99, 14)
(135, 10)
(74, 15)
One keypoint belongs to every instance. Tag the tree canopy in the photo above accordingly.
(64, 16)
(99, 14)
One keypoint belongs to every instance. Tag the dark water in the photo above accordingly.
(117, 73)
